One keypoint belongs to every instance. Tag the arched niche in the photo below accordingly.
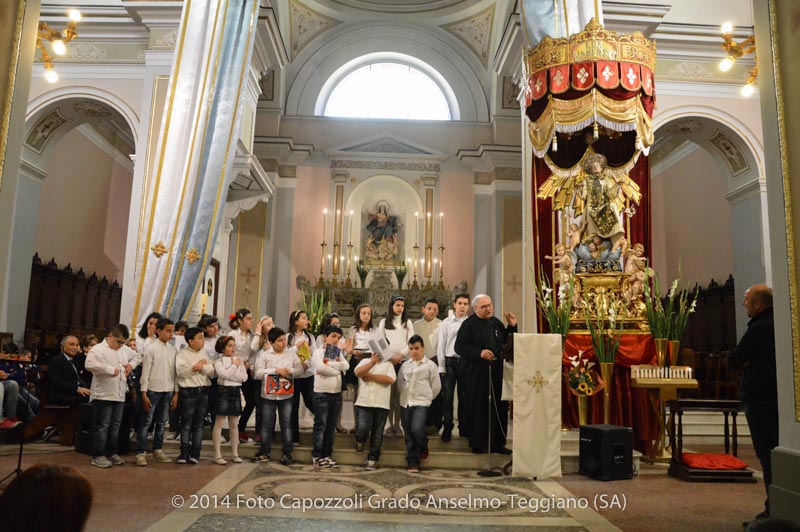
(710, 203)
(403, 201)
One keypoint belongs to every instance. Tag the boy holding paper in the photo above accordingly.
(277, 368)
(329, 364)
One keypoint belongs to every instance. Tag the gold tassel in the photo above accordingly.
(595, 129)
(555, 142)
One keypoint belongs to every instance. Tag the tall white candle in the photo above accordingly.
(441, 229)
(324, 223)
(350, 229)
(416, 229)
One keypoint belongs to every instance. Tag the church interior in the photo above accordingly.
(197, 157)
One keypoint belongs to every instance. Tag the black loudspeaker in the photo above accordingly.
(606, 452)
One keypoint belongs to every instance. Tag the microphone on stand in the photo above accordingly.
(489, 472)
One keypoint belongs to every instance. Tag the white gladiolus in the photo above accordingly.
(673, 288)
(694, 305)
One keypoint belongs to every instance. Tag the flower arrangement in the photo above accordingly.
(555, 305)
(362, 270)
(580, 377)
(316, 307)
(400, 273)
(605, 340)
(669, 321)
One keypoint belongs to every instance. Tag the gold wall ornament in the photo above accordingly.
(159, 249)
(192, 255)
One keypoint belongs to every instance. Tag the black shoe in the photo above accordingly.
(359, 446)
(502, 450)
(447, 435)
(286, 459)
(762, 515)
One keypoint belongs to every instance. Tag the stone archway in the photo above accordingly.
(74, 189)
(708, 198)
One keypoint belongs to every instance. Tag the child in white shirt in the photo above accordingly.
(376, 377)
(329, 364)
(231, 373)
(418, 381)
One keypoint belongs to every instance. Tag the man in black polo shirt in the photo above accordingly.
(758, 390)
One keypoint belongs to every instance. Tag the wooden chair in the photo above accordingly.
(718, 380)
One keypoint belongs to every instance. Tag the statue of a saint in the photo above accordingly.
(600, 194)
(382, 231)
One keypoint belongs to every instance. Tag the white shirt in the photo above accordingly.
(374, 394)
(228, 373)
(446, 344)
(361, 337)
(296, 341)
(429, 331)
(211, 348)
(398, 337)
(244, 349)
(187, 377)
(103, 361)
(268, 362)
(158, 368)
(418, 382)
(328, 376)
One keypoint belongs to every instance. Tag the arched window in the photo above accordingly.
(388, 90)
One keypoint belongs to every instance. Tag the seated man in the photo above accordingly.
(9, 396)
(66, 388)
(21, 369)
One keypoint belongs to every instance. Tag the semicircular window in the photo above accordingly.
(388, 90)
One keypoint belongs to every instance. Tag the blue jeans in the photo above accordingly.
(284, 409)
(194, 404)
(370, 420)
(105, 425)
(326, 411)
(159, 410)
(9, 396)
(414, 418)
(454, 376)
(304, 387)
(28, 404)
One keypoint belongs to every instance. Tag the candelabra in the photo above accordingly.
(321, 281)
(736, 50)
(348, 283)
(440, 286)
(414, 284)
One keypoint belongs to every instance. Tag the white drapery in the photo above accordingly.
(546, 17)
(537, 405)
(188, 182)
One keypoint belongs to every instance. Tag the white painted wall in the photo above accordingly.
(691, 221)
(83, 213)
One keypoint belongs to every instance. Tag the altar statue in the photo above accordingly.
(636, 268)
(564, 265)
(600, 195)
(382, 228)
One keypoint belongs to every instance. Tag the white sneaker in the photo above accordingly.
(141, 459)
(236, 460)
(159, 456)
(372, 465)
(101, 461)
(116, 460)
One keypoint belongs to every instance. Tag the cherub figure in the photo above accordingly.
(636, 268)
(563, 263)
(574, 235)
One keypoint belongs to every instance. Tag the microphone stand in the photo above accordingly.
(489, 472)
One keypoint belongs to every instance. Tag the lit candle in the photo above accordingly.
(324, 223)
(203, 303)
(435, 264)
(416, 229)
(350, 229)
(330, 257)
(441, 229)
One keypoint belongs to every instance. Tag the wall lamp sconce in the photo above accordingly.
(57, 40)
(736, 50)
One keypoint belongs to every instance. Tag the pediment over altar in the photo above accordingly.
(385, 146)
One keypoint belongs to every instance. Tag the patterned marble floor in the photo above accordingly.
(271, 496)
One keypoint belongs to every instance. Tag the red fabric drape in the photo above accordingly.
(629, 406)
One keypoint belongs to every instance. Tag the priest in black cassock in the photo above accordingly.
(479, 343)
